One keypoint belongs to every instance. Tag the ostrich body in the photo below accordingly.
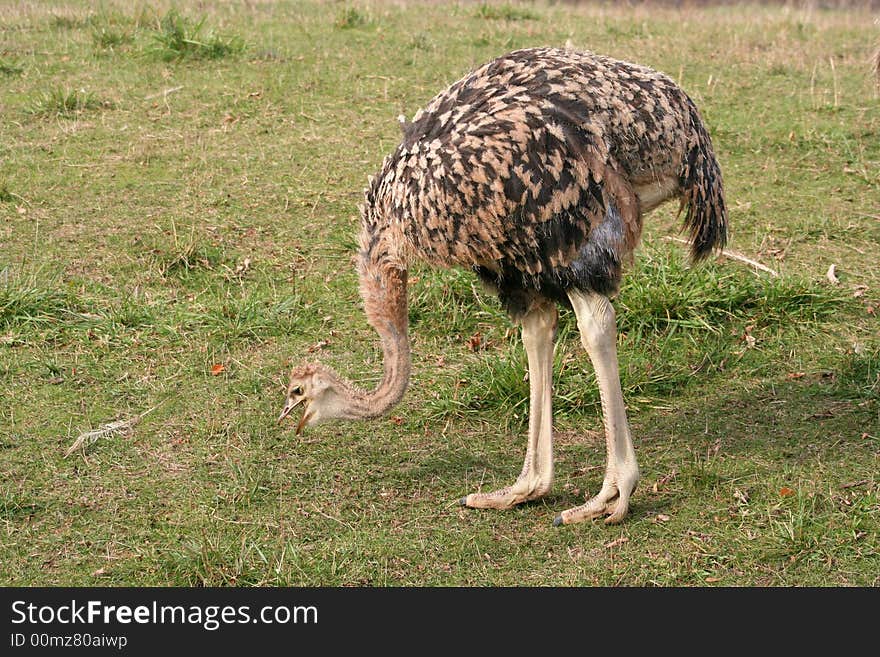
(534, 171)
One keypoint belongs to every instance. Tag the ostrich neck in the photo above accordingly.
(383, 288)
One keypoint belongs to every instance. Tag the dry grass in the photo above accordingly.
(876, 64)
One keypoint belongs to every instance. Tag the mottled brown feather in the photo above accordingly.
(512, 169)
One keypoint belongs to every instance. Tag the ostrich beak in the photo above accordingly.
(306, 416)
(289, 405)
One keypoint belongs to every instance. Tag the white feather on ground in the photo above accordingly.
(107, 430)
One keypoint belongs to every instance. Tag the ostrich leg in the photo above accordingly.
(596, 322)
(538, 330)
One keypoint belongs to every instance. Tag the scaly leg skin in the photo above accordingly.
(596, 322)
(536, 478)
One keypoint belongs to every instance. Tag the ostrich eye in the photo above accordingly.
(297, 391)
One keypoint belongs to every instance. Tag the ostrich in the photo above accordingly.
(533, 171)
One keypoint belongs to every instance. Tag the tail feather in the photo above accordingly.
(705, 216)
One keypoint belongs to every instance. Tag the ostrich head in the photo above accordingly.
(322, 393)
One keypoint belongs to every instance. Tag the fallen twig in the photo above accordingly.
(164, 93)
(733, 255)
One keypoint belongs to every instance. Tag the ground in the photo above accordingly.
(178, 199)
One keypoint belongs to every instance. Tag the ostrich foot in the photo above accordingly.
(612, 501)
(508, 497)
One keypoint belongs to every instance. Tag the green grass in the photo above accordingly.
(177, 222)
(350, 17)
(507, 12)
(178, 37)
(693, 321)
(9, 67)
(109, 38)
(64, 102)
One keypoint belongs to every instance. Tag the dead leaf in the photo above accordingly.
(661, 517)
(616, 542)
(320, 344)
(795, 375)
(98, 572)
(242, 267)
(785, 491)
(575, 553)
(476, 341)
(714, 449)
(216, 368)
(712, 580)
(662, 481)
(831, 275)
(396, 419)
(859, 290)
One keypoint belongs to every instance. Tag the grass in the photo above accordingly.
(108, 38)
(507, 12)
(350, 17)
(178, 37)
(185, 240)
(10, 68)
(693, 321)
(62, 101)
